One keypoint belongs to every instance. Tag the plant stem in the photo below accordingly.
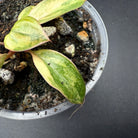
(1, 43)
(10, 53)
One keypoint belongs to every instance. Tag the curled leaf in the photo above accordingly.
(25, 12)
(26, 34)
(50, 9)
(60, 73)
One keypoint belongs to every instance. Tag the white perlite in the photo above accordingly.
(7, 76)
(70, 50)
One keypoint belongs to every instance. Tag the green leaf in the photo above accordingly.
(25, 12)
(2, 59)
(50, 9)
(60, 73)
(25, 34)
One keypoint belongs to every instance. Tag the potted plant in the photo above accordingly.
(28, 34)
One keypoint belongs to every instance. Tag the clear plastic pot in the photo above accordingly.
(100, 37)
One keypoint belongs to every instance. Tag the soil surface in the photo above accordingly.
(30, 92)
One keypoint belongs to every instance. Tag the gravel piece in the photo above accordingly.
(85, 26)
(63, 27)
(21, 67)
(1, 101)
(50, 31)
(7, 76)
(83, 36)
(90, 25)
(70, 50)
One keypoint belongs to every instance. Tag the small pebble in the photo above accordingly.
(50, 31)
(81, 19)
(68, 44)
(83, 36)
(90, 25)
(7, 76)
(1, 101)
(7, 106)
(58, 37)
(13, 56)
(29, 89)
(63, 27)
(85, 26)
(27, 100)
(70, 50)
(35, 106)
(21, 67)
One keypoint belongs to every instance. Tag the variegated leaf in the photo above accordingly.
(50, 9)
(60, 73)
(25, 12)
(2, 59)
(26, 34)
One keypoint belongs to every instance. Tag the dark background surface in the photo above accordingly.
(111, 108)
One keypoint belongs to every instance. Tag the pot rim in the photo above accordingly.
(99, 69)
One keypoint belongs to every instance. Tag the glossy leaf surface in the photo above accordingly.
(26, 34)
(50, 9)
(60, 73)
(25, 12)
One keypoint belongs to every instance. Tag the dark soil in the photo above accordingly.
(30, 92)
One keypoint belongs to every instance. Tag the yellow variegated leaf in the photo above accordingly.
(25, 12)
(50, 9)
(2, 59)
(60, 73)
(26, 34)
